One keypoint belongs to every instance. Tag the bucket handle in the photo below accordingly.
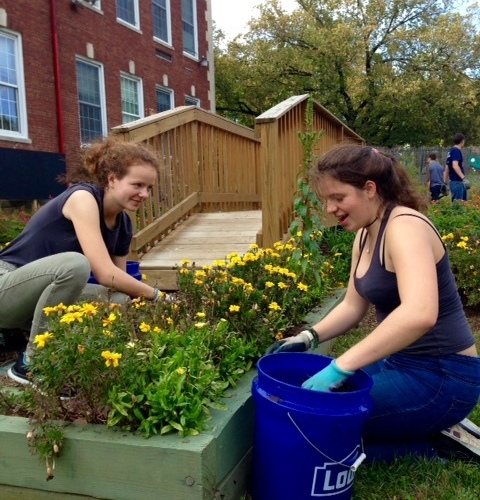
(352, 467)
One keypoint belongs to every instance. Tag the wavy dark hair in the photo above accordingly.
(110, 156)
(355, 165)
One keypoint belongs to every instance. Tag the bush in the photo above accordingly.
(12, 223)
(459, 226)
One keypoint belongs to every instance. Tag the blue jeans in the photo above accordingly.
(416, 397)
(458, 191)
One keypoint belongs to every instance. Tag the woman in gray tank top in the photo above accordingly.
(421, 355)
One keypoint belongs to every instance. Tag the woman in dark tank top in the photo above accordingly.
(421, 355)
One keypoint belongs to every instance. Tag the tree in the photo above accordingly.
(395, 71)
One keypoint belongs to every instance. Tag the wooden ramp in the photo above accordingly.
(201, 239)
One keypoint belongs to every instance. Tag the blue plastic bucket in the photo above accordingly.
(133, 269)
(307, 444)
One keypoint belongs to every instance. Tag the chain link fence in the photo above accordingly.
(416, 158)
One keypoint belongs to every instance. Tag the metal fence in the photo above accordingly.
(416, 158)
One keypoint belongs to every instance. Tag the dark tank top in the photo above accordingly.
(450, 334)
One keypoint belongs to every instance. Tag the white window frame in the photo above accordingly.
(194, 101)
(21, 100)
(168, 41)
(136, 23)
(139, 103)
(193, 13)
(101, 91)
(93, 4)
(168, 91)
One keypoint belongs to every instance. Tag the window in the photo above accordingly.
(189, 22)
(132, 99)
(127, 12)
(91, 101)
(164, 99)
(192, 101)
(161, 20)
(13, 109)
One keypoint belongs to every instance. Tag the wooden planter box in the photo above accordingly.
(99, 462)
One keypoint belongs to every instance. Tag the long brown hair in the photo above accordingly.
(111, 156)
(355, 165)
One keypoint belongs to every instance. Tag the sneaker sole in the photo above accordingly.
(452, 442)
(17, 378)
(469, 426)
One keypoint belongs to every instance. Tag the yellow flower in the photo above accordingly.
(303, 287)
(233, 308)
(89, 310)
(200, 325)
(157, 330)
(282, 285)
(200, 315)
(144, 327)
(181, 371)
(108, 321)
(185, 262)
(42, 339)
(70, 317)
(111, 358)
(81, 348)
(269, 284)
(57, 309)
(144, 277)
(273, 306)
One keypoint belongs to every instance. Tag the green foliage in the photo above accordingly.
(155, 368)
(12, 223)
(459, 225)
(306, 224)
(388, 69)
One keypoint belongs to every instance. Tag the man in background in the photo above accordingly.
(456, 172)
(435, 181)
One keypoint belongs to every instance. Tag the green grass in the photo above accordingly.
(409, 478)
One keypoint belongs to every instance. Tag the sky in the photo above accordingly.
(231, 16)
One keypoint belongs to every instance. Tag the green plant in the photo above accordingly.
(12, 223)
(158, 368)
(307, 225)
(459, 226)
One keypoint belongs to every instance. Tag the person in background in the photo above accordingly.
(459, 184)
(435, 178)
(83, 229)
(421, 355)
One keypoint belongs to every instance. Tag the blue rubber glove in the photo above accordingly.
(331, 377)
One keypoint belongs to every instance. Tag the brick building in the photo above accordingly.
(70, 70)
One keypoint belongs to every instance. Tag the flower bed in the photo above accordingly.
(103, 462)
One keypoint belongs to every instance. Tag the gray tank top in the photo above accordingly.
(450, 334)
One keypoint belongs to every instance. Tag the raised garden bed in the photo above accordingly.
(98, 462)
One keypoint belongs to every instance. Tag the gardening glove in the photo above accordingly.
(328, 379)
(298, 343)
(163, 296)
(466, 183)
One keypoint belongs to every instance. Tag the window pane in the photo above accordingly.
(126, 11)
(130, 100)
(188, 27)
(164, 100)
(9, 112)
(160, 22)
(89, 100)
(192, 101)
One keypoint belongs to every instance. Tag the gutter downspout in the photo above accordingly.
(56, 72)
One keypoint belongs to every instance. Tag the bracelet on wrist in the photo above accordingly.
(315, 341)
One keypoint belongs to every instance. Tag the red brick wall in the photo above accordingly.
(114, 46)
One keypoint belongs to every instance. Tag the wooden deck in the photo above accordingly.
(201, 239)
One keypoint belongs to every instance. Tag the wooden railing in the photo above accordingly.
(210, 163)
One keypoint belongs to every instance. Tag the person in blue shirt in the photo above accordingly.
(459, 184)
(436, 174)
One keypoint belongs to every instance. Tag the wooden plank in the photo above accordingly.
(164, 222)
